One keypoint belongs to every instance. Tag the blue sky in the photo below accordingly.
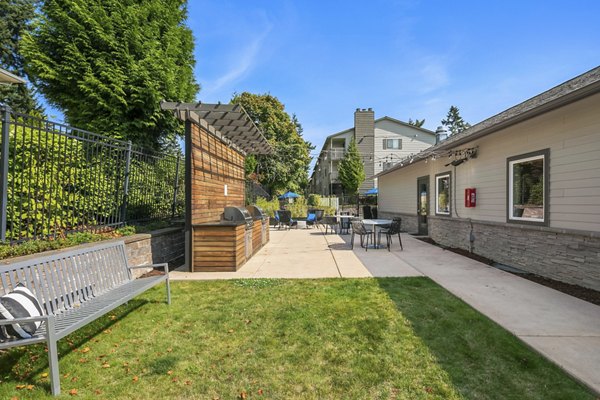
(404, 58)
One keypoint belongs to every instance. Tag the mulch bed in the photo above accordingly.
(589, 295)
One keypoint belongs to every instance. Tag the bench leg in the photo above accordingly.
(168, 289)
(53, 359)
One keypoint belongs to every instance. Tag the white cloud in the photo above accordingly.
(244, 60)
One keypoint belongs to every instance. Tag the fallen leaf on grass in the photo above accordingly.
(45, 375)
(169, 372)
(30, 387)
(107, 331)
(106, 365)
(19, 387)
(85, 350)
(188, 383)
(135, 379)
(260, 392)
(243, 395)
(174, 380)
(169, 350)
(98, 391)
(113, 317)
(73, 392)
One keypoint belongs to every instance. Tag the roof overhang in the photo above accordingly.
(7, 77)
(229, 120)
(569, 92)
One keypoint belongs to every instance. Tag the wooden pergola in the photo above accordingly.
(218, 137)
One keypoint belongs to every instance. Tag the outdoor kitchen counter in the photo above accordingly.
(220, 246)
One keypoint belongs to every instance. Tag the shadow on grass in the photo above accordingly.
(21, 364)
(483, 360)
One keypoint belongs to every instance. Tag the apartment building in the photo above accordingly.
(381, 143)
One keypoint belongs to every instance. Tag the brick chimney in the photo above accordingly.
(364, 134)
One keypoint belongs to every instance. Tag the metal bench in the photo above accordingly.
(74, 288)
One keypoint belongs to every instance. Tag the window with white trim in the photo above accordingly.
(392, 144)
(442, 194)
(527, 187)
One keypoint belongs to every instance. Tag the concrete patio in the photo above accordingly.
(564, 329)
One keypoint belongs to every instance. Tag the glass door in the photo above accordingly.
(422, 204)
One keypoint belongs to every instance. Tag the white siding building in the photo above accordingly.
(535, 169)
(381, 143)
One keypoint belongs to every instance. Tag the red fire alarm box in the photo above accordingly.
(470, 197)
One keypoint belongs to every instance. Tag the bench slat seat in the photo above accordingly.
(74, 289)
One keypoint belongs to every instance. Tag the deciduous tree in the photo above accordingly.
(287, 167)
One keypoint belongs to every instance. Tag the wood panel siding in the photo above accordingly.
(213, 165)
(218, 248)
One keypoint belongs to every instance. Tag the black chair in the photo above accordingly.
(285, 218)
(367, 212)
(345, 224)
(358, 228)
(374, 212)
(394, 229)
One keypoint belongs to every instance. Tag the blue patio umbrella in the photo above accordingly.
(372, 192)
(289, 195)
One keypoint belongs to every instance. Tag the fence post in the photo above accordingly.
(126, 184)
(175, 188)
(4, 172)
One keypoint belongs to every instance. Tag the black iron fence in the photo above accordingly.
(56, 179)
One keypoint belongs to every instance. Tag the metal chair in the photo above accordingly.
(394, 229)
(330, 222)
(285, 218)
(358, 228)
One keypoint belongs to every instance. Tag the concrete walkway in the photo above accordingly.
(564, 329)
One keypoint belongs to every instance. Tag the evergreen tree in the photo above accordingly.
(15, 16)
(454, 122)
(418, 122)
(351, 170)
(287, 167)
(107, 64)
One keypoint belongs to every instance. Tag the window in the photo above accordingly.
(395, 144)
(442, 194)
(528, 187)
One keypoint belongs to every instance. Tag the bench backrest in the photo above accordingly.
(64, 280)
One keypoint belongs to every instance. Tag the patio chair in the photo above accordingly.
(345, 224)
(319, 215)
(330, 222)
(367, 212)
(285, 219)
(311, 218)
(394, 229)
(358, 228)
(374, 212)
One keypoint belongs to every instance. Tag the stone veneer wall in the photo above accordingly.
(564, 255)
(161, 246)
(164, 245)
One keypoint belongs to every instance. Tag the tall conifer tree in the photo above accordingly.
(107, 64)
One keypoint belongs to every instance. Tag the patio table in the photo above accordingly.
(375, 223)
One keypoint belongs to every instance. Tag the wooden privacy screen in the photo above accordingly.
(214, 165)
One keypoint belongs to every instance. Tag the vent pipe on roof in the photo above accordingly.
(441, 134)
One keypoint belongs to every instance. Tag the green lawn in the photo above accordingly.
(292, 339)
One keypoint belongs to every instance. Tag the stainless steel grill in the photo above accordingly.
(236, 214)
(256, 212)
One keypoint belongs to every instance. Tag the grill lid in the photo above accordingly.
(237, 214)
(256, 212)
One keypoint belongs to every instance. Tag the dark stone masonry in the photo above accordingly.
(564, 255)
